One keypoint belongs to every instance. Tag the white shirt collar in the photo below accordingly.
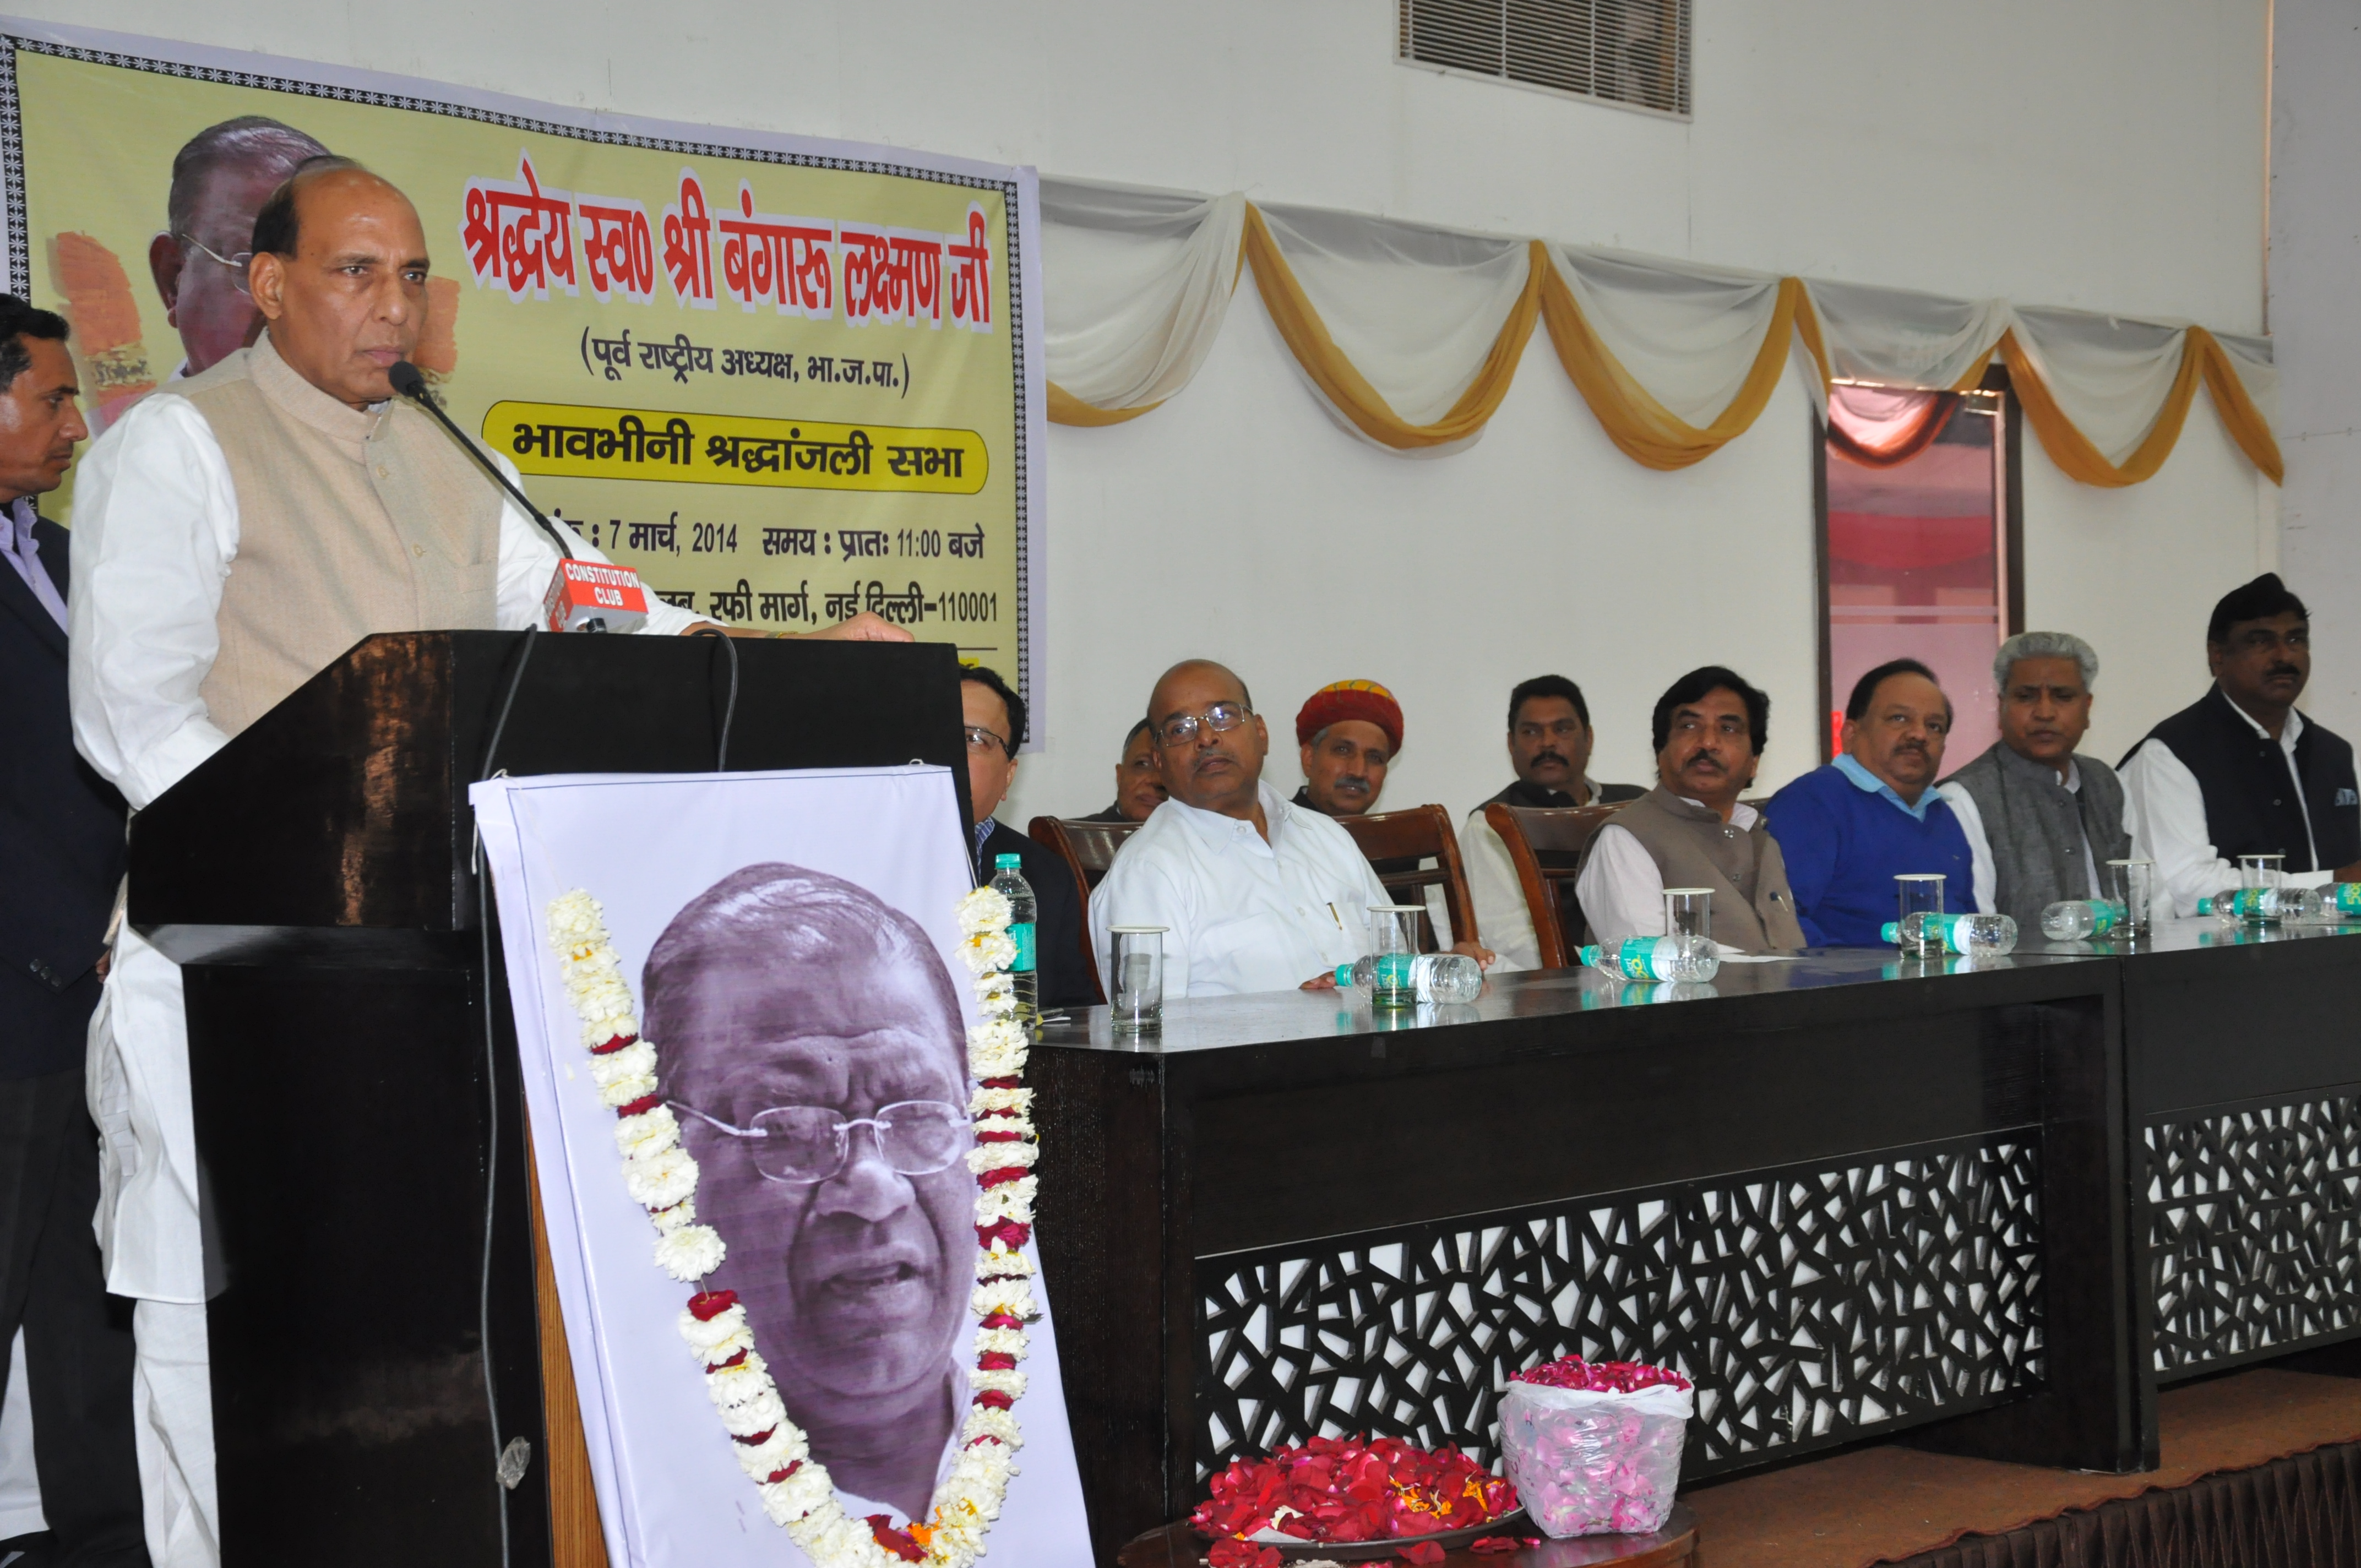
(1218, 832)
(2288, 733)
(1742, 816)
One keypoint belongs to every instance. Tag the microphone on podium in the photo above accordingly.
(584, 596)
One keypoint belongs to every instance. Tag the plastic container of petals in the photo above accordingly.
(1595, 1448)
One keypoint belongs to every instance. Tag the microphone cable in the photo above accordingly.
(492, 1101)
(729, 708)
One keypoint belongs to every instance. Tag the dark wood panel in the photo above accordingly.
(345, 807)
(1587, 1103)
(2236, 1022)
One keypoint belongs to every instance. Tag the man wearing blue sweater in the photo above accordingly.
(1847, 830)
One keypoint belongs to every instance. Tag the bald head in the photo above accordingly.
(1190, 669)
(1201, 764)
(339, 272)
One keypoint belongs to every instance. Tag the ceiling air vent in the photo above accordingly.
(1632, 52)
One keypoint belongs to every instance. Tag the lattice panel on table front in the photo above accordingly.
(1810, 1306)
(2254, 1232)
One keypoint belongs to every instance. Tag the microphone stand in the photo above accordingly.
(410, 382)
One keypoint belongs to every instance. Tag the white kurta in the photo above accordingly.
(1502, 920)
(1241, 914)
(2164, 807)
(1621, 888)
(155, 537)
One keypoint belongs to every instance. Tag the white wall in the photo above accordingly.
(2107, 153)
(2315, 259)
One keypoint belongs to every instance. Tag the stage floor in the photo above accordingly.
(1885, 1504)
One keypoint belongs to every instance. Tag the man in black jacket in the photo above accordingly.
(995, 728)
(2240, 772)
(60, 860)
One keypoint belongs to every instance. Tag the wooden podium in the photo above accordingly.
(316, 882)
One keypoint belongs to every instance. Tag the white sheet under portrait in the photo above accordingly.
(812, 1047)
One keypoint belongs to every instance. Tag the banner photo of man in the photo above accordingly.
(790, 945)
(786, 380)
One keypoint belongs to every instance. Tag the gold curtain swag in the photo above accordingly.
(1347, 389)
(1067, 409)
(1642, 427)
(1649, 434)
(2204, 358)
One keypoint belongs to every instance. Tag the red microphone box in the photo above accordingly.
(590, 596)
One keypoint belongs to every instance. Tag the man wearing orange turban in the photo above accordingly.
(1349, 731)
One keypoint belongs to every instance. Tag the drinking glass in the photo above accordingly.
(1135, 1000)
(2261, 873)
(1921, 893)
(2132, 883)
(1688, 912)
(1393, 953)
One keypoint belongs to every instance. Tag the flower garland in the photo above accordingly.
(660, 1176)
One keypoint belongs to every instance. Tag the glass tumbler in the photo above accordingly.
(1135, 1000)
(1393, 953)
(1920, 895)
(2261, 874)
(1688, 912)
(2132, 883)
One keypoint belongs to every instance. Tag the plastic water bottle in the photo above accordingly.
(1446, 977)
(1023, 977)
(1990, 935)
(1674, 958)
(2266, 906)
(2071, 919)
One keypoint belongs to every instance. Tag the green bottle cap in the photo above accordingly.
(1006, 860)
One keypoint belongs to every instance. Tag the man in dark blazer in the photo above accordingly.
(60, 861)
(995, 728)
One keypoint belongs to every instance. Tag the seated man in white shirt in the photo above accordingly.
(1254, 892)
(2240, 772)
(1692, 830)
(1549, 745)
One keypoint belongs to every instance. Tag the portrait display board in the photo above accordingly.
(791, 945)
(786, 379)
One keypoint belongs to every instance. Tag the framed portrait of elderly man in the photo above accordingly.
(781, 1236)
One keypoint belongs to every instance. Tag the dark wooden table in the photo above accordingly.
(1675, 1546)
(1850, 1195)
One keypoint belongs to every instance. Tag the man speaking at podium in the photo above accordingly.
(233, 536)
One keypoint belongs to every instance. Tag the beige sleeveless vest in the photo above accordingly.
(348, 523)
(1754, 908)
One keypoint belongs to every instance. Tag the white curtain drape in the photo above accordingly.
(1898, 337)
(1688, 333)
(1415, 308)
(1136, 284)
(1407, 334)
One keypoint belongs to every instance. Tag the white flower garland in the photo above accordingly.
(660, 1176)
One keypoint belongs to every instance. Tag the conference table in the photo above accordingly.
(1996, 1203)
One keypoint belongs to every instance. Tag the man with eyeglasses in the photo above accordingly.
(220, 181)
(233, 536)
(994, 716)
(1847, 830)
(1254, 892)
(1549, 746)
(815, 1054)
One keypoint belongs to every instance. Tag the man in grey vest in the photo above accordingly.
(234, 534)
(1692, 830)
(2042, 821)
